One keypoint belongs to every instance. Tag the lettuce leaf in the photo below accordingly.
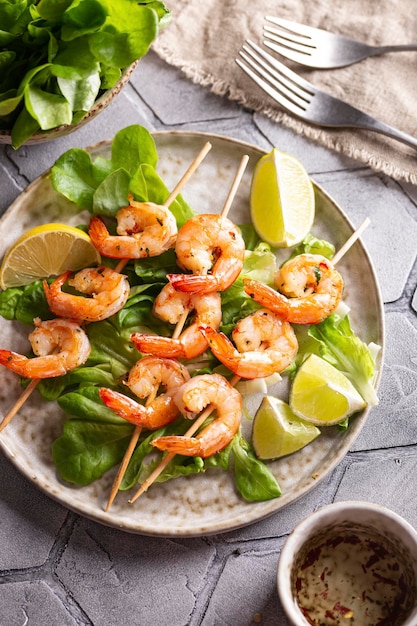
(341, 347)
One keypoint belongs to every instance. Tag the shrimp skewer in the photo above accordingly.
(145, 378)
(144, 229)
(59, 345)
(264, 344)
(171, 305)
(312, 282)
(109, 290)
(193, 397)
(310, 289)
(211, 247)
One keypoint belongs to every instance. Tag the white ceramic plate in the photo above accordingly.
(202, 504)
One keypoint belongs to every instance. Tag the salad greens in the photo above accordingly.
(93, 438)
(58, 56)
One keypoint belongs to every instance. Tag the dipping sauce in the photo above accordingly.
(353, 576)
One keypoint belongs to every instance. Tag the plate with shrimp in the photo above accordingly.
(203, 503)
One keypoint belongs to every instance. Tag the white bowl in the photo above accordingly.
(337, 553)
(100, 104)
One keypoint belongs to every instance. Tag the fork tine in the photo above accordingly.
(293, 27)
(273, 79)
(285, 92)
(283, 37)
(275, 95)
(284, 70)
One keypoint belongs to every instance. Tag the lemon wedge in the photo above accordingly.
(46, 250)
(322, 395)
(282, 200)
(277, 431)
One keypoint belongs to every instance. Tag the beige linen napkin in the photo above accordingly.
(204, 37)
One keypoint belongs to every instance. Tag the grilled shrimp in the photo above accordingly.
(264, 344)
(144, 229)
(60, 345)
(192, 398)
(145, 378)
(109, 291)
(212, 248)
(170, 305)
(309, 290)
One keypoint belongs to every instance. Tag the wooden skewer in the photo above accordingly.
(186, 176)
(349, 243)
(209, 409)
(127, 456)
(178, 329)
(22, 399)
(138, 429)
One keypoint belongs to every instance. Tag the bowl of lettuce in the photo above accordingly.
(63, 61)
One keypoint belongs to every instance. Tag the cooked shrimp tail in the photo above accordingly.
(201, 284)
(59, 345)
(310, 289)
(267, 296)
(144, 229)
(109, 291)
(265, 344)
(192, 398)
(212, 249)
(159, 413)
(145, 378)
(171, 305)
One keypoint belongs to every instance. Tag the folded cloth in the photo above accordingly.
(204, 37)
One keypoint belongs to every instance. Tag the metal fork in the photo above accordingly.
(304, 100)
(314, 47)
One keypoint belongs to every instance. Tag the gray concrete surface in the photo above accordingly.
(59, 569)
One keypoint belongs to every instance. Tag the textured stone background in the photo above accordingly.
(59, 569)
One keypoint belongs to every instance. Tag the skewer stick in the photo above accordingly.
(235, 185)
(349, 243)
(22, 399)
(138, 429)
(127, 456)
(209, 409)
(178, 329)
(180, 184)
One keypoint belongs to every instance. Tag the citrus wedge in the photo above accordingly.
(47, 250)
(322, 395)
(282, 201)
(277, 431)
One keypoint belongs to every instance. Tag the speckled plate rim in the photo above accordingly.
(243, 513)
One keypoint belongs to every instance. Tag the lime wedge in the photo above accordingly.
(282, 201)
(277, 431)
(322, 395)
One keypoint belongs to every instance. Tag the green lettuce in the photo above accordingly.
(58, 57)
(340, 346)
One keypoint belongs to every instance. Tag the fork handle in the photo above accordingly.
(355, 118)
(376, 50)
